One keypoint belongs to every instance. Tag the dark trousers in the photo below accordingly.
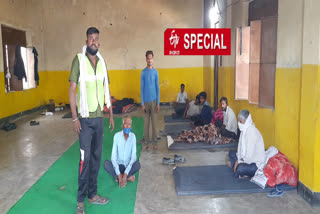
(108, 166)
(179, 109)
(227, 133)
(243, 168)
(91, 139)
(197, 120)
(224, 131)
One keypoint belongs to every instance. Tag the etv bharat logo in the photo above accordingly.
(174, 40)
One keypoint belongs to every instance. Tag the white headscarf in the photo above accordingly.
(84, 109)
(243, 128)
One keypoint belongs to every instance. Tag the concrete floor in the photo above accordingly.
(27, 152)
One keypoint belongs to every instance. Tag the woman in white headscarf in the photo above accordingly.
(251, 153)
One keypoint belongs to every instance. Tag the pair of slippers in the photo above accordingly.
(177, 159)
(277, 192)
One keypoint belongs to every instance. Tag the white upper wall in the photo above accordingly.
(311, 33)
(290, 32)
(127, 30)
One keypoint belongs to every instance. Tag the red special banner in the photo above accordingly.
(197, 41)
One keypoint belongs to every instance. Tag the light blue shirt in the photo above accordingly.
(123, 151)
(150, 90)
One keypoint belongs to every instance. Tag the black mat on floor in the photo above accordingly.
(169, 119)
(67, 115)
(208, 180)
(200, 145)
(174, 129)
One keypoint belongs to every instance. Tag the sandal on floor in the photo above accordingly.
(275, 193)
(180, 159)
(100, 200)
(79, 210)
(168, 161)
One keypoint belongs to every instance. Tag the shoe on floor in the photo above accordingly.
(168, 161)
(180, 159)
(275, 193)
(34, 123)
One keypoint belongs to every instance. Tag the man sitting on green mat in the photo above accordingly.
(251, 153)
(123, 164)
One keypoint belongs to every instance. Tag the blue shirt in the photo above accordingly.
(123, 151)
(150, 90)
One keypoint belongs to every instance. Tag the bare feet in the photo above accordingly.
(155, 147)
(123, 183)
(132, 178)
(141, 141)
(144, 148)
(229, 164)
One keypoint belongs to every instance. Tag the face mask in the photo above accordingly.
(127, 130)
(241, 126)
(91, 51)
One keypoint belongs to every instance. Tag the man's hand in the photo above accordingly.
(143, 108)
(111, 124)
(158, 108)
(76, 126)
(235, 166)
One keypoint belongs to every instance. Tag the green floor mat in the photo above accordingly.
(56, 190)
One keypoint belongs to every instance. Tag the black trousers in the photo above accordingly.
(91, 139)
(179, 109)
(225, 132)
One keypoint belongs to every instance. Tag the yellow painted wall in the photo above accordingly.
(309, 129)
(317, 142)
(53, 85)
(279, 127)
(126, 83)
(287, 112)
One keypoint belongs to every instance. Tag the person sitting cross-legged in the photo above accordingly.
(250, 154)
(123, 164)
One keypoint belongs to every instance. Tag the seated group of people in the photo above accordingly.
(244, 161)
(201, 113)
(251, 151)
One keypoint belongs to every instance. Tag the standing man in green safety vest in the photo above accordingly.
(89, 73)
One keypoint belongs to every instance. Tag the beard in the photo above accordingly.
(92, 51)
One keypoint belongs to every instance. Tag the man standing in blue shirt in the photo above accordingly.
(123, 164)
(150, 100)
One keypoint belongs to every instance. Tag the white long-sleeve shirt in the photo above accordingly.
(251, 147)
(230, 120)
(123, 151)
